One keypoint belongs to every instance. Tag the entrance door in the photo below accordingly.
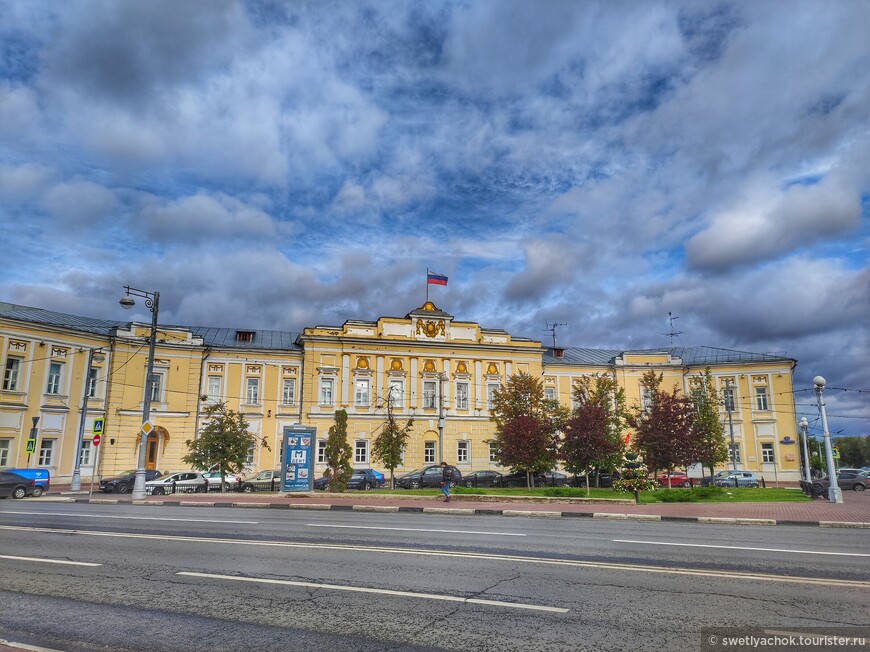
(151, 452)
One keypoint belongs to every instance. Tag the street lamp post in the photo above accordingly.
(729, 406)
(152, 301)
(76, 483)
(804, 426)
(835, 495)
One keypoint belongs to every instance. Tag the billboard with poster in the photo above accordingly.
(297, 472)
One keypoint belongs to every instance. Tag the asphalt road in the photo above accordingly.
(185, 578)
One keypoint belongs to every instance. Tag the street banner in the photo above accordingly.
(297, 472)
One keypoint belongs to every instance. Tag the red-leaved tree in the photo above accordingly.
(586, 440)
(526, 443)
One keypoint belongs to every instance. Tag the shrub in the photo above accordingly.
(708, 492)
(676, 496)
(564, 492)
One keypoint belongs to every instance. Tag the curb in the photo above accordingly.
(459, 511)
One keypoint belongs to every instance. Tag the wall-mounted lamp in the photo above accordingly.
(41, 342)
(112, 442)
(268, 413)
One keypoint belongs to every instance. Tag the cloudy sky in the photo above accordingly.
(596, 164)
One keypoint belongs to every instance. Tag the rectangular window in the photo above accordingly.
(646, 398)
(429, 452)
(491, 389)
(214, 389)
(734, 453)
(493, 452)
(761, 398)
(321, 451)
(5, 444)
(249, 458)
(288, 393)
(85, 457)
(92, 382)
(767, 453)
(252, 392)
(429, 394)
(156, 387)
(326, 385)
(361, 392)
(46, 452)
(728, 397)
(462, 452)
(397, 394)
(53, 384)
(461, 396)
(361, 451)
(11, 375)
(550, 393)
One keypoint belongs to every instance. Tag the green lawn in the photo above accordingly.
(701, 495)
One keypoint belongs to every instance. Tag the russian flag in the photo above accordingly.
(435, 279)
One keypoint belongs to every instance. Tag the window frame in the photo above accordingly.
(493, 458)
(327, 401)
(398, 397)
(463, 451)
(362, 392)
(5, 451)
(321, 451)
(734, 455)
(252, 398)
(430, 452)
(53, 379)
(361, 446)
(288, 397)
(762, 401)
(462, 395)
(12, 374)
(85, 453)
(491, 388)
(157, 384)
(768, 451)
(46, 452)
(214, 396)
(429, 395)
(93, 379)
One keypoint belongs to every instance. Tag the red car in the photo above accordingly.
(678, 479)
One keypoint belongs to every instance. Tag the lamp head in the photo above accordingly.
(804, 422)
(819, 382)
(127, 302)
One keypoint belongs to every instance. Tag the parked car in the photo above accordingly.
(17, 486)
(519, 479)
(263, 481)
(482, 479)
(605, 480)
(428, 476)
(181, 482)
(556, 479)
(123, 483)
(678, 479)
(231, 480)
(738, 479)
(845, 480)
(364, 479)
(380, 476)
(710, 480)
(41, 478)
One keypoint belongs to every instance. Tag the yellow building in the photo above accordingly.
(428, 366)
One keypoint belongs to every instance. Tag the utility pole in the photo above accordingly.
(804, 427)
(729, 406)
(835, 495)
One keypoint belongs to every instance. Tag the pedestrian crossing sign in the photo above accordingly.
(99, 426)
(835, 452)
(31, 445)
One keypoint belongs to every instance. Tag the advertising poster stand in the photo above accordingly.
(297, 467)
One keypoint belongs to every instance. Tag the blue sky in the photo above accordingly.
(598, 164)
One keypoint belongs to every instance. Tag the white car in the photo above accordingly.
(180, 482)
(231, 480)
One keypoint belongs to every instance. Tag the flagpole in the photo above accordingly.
(427, 285)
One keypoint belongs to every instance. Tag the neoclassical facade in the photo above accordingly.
(63, 372)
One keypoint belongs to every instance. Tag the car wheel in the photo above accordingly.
(226, 486)
(415, 484)
(37, 492)
(687, 484)
(367, 486)
(121, 488)
(857, 487)
(157, 491)
(19, 492)
(200, 489)
(754, 485)
(248, 488)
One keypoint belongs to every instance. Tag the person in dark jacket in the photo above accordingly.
(446, 479)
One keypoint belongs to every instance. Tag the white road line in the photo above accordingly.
(413, 529)
(362, 589)
(463, 555)
(49, 561)
(706, 545)
(129, 518)
(25, 646)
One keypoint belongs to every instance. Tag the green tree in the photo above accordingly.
(390, 443)
(634, 476)
(525, 426)
(666, 436)
(223, 443)
(852, 451)
(712, 448)
(338, 453)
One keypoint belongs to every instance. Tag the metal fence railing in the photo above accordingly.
(192, 486)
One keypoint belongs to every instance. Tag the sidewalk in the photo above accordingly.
(853, 512)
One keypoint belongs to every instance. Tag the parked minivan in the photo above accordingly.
(41, 478)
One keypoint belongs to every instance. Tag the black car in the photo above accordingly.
(556, 479)
(124, 482)
(12, 484)
(360, 479)
(428, 476)
(604, 480)
(519, 479)
(482, 479)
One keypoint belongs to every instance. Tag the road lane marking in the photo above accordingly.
(25, 646)
(413, 529)
(130, 518)
(707, 545)
(464, 555)
(363, 589)
(49, 561)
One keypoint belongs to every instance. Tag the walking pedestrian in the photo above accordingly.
(446, 479)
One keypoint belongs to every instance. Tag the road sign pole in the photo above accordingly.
(76, 483)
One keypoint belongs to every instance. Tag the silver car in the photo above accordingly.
(738, 479)
(181, 482)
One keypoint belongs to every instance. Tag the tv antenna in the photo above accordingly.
(671, 332)
(551, 328)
